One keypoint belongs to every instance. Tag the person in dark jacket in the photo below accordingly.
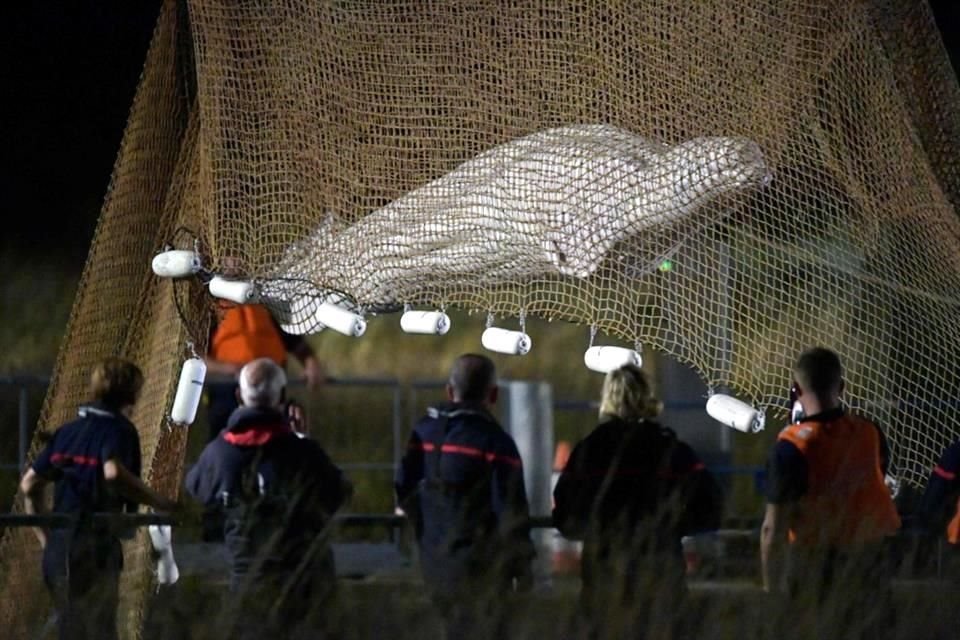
(278, 492)
(940, 505)
(461, 482)
(94, 463)
(630, 490)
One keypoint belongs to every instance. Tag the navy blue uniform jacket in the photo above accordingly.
(74, 459)
(277, 491)
(461, 481)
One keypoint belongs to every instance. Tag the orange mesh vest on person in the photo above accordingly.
(953, 527)
(847, 502)
(247, 332)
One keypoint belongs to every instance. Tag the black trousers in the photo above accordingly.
(83, 577)
(473, 615)
(840, 594)
(284, 602)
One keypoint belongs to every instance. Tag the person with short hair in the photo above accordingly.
(94, 464)
(631, 490)
(461, 483)
(829, 511)
(278, 493)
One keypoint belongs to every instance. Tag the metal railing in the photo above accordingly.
(399, 393)
(63, 520)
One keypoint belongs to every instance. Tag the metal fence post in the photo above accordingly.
(23, 434)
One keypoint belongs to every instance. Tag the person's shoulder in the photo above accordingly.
(681, 449)
(951, 456)
(67, 427)
(213, 450)
(800, 432)
(125, 425)
(861, 420)
(433, 416)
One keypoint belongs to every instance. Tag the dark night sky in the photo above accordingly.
(77, 65)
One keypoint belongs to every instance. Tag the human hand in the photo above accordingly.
(297, 418)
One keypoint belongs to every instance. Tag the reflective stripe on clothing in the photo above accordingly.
(472, 453)
(62, 458)
(943, 473)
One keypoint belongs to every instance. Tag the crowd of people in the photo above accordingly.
(630, 491)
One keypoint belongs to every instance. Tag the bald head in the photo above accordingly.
(473, 378)
(261, 383)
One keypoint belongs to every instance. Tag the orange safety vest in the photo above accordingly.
(847, 502)
(953, 527)
(247, 332)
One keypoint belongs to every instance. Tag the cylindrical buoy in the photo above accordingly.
(514, 343)
(340, 320)
(796, 412)
(161, 537)
(233, 290)
(607, 359)
(734, 413)
(189, 391)
(176, 263)
(425, 322)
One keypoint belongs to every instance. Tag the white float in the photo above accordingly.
(514, 343)
(237, 291)
(176, 263)
(735, 413)
(425, 322)
(189, 391)
(339, 319)
(162, 539)
(607, 359)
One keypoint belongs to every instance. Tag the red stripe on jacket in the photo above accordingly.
(67, 457)
(943, 473)
(472, 453)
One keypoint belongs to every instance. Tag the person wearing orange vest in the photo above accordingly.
(243, 334)
(828, 512)
(940, 506)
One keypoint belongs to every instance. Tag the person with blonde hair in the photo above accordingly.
(94, 463)
(630, 490)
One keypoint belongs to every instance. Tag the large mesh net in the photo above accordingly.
(727, 182)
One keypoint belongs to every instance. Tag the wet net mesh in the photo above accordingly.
(727, 182)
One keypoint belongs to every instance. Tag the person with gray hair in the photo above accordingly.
(262, 384)
(278, 493)
(630, 490)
